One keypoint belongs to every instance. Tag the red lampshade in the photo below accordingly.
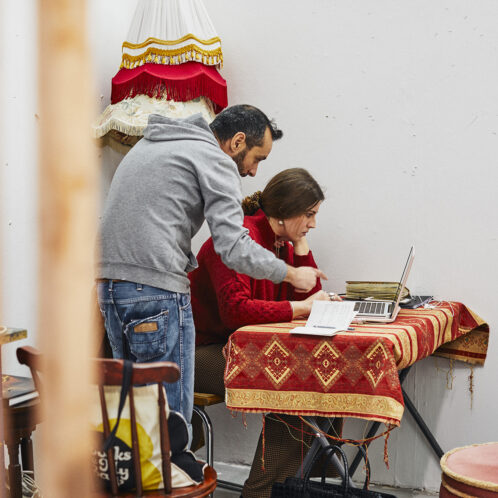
(181, 82)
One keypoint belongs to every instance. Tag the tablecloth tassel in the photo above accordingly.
(367, 467)
(471, 385)
(386, 454)
(449, 376)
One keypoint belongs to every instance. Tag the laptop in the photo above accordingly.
(384, 311)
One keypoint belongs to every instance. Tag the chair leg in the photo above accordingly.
(15, 472)
(27, 454)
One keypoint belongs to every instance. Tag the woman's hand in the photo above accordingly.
(301, 247)
(334, 297)
(299, 242)
(303, 308)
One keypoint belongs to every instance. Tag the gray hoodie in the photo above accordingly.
(169, 182)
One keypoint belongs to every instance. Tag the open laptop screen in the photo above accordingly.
(397, 298)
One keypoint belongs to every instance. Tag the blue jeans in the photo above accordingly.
(146, 324)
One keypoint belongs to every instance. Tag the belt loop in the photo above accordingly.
(139, 287)
(111, 284)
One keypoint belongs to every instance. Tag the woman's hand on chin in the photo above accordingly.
(301, 247)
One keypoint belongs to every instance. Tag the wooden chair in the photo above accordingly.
(111, 373)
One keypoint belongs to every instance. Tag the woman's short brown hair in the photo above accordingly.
(288, 194)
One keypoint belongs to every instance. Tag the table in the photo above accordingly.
(10, 335)
(352, 374)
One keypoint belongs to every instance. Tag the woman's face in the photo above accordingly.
(295, 228)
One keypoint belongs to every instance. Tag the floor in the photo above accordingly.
(238, 473)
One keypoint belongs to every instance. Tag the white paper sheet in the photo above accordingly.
(327, 318)
(314, 331)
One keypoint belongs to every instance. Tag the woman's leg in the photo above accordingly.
(282, 456)
(285, 447)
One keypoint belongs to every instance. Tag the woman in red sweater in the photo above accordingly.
(223, 300)
(279, 219)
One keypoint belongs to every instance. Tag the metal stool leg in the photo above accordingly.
(208, 426)
(208, 429)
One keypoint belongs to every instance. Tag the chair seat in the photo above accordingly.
(470, 471)
(23, 418)
(202, 489)
(206, 399)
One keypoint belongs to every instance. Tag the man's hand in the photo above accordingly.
(304, 277)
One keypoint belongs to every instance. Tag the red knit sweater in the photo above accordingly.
(223, 300)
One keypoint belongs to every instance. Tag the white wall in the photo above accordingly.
(18, 171)
(392, 106)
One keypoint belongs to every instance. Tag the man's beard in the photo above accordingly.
(239, 159)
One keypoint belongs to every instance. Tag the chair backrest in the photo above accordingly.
(110, 373)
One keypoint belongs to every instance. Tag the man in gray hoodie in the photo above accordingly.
(182, 172)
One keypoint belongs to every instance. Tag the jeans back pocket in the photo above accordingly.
(147, 336)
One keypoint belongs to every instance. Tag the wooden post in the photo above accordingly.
(2, 428)
(67, 196)
(3, 491)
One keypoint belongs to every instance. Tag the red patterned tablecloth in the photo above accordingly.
(352, 374)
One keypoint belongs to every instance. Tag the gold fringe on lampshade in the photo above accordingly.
(198, 51)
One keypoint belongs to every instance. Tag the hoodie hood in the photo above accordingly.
(161, 128)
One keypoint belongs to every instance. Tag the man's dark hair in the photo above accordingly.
(247, 119)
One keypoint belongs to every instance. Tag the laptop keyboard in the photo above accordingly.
(369, 308)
